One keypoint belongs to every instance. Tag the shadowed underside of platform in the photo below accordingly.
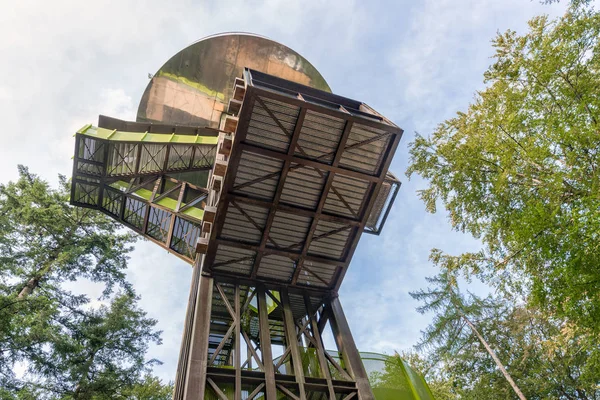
(306, 175)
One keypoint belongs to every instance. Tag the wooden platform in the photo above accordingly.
(300, 183)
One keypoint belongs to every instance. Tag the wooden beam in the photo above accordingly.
(265, 343)
(292, 340)
(182, 364)
(314, 328)
(257, 91)
(251, 148)
(195, 384)
(244, 121)
(237, 362)
(346, 345)
(373, 196)
(293, 209)
(321, 204)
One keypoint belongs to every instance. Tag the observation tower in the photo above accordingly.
(243, 163)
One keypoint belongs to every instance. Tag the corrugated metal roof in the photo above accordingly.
(268, 132)
(329, 240)
(316, 274)
(244, 222)
(276, 267)
(319, 137)
(365, 157)
(303, 186)
(346, 196)
(234, 260)
(258, 174)
(288, 231)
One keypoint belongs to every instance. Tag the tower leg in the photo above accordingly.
(195, 372)
(184, 351)
(347, 347)
(251, 340)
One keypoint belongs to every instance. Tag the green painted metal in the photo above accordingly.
(171, 204)
(145, 137)
(392, 378)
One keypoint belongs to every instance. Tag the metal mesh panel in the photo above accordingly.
(158, 224)
(185, 235)
(152, 157)
(180, 156)
(122, 158)
(135, 211)
(112, 201)
(86, 193)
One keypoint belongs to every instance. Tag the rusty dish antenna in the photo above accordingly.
(194, 86)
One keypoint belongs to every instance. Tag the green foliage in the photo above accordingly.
(68, 348)
(545, 356)
(44, 239)
(519, 171)
(95, 352)
(151, 388)
(448, 331)
(519, 168)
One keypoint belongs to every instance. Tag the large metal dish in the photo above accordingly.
(195, 85)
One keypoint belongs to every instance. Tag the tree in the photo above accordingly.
(151, 388)
(544, 355)
(94, 354)
(520, 168)
(68, 348)
(43, 243)
(45, 240)
(453, 313)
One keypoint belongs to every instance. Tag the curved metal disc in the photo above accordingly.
(195, 85)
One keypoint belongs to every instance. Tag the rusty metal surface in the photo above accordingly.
(195, 85)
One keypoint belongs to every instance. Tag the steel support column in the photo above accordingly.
(265, 345)
(346, 346)
(195, 382)
(184, 351)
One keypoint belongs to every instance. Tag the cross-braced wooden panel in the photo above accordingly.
(304, 179)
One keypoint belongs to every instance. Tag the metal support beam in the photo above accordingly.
(195, 384)
(265, 344)
(292, 340)
(184, 351)
(346, 346)
(314, 329)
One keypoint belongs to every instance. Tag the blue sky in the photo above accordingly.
(417, 62)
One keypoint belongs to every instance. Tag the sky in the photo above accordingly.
(417, 62)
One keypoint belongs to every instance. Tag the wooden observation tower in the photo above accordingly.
(244, 164)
